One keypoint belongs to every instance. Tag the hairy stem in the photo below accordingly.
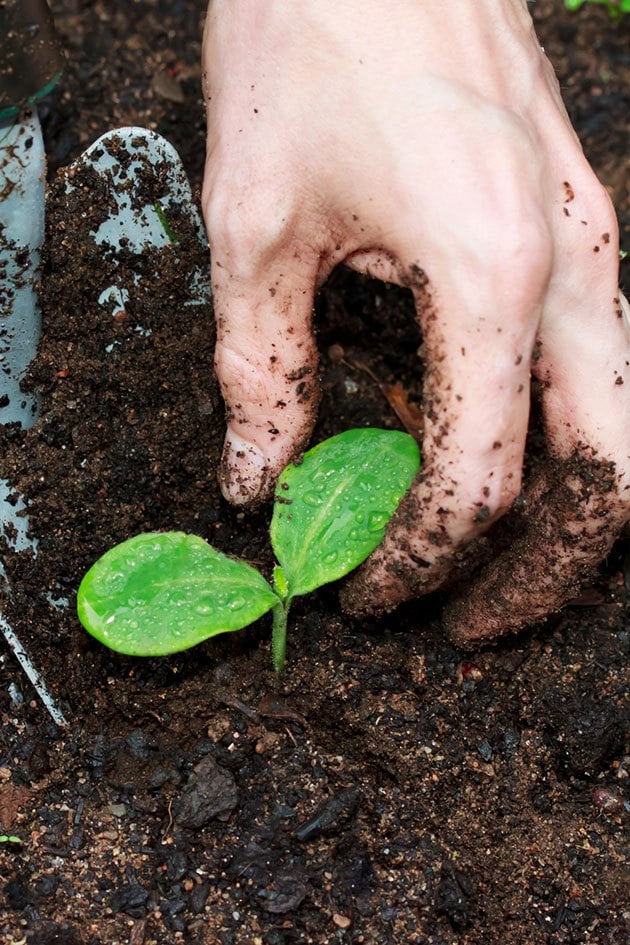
(279, 635)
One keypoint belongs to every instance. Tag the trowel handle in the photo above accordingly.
(30, 54)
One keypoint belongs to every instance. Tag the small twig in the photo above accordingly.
(249, 713)
(270, 707)
(38, 683)
(169, 825)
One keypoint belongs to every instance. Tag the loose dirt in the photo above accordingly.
(389, 788)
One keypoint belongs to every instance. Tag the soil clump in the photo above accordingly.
(388, 788)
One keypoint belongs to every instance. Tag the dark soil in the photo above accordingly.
(387, 789)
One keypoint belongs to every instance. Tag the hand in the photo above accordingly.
(425, 144)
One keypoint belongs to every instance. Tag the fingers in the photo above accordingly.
(585, 338)
(567, 534)
(476, 407)
(266, 359)
(581, 500)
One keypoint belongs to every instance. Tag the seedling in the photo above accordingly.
(9, 838)
(161, 593)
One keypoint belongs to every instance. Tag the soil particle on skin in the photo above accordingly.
(383, 790)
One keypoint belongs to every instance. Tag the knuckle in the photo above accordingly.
(599, 205)
(593, 239)
(239, 376)
(246, 226)
(509, 246)
(516, 251)
(599, 243)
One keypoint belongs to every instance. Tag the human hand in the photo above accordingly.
(424, 144)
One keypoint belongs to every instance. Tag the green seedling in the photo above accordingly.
(616, 8)
(9, 838)
(166, 226)
(161, 593)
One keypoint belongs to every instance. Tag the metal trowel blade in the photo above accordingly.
(133, 162)
(126, 160)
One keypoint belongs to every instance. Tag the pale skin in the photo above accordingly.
(426, 144)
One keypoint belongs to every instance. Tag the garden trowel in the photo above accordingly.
(124, 161)
(30, 65)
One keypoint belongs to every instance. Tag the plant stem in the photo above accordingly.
(279, 635)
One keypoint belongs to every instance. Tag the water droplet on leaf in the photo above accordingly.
(313, 499)
(377, 521)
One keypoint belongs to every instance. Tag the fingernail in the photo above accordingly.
(243, 470)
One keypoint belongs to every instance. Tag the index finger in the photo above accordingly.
(266, 361)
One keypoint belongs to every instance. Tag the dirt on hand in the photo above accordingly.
(387, 788)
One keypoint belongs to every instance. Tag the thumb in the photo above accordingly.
(266, 363)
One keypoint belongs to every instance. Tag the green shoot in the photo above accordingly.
(166, 226)
(161, 593)
(616, 8)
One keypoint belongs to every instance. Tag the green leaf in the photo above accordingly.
(616, 8)
(164, 592)
(333, 508)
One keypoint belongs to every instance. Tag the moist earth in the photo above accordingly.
(387, 788)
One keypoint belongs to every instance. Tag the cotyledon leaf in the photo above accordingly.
(332, 509)
(160, 593)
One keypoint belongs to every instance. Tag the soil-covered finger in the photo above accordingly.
(466, 767)
(578, 515)
(475, 406)
(266, 363)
